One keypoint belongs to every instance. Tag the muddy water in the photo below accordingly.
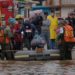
(37, 68)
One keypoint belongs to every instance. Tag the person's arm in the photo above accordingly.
(61, 35)
(48, 17)
(56, 22)
(48, 23)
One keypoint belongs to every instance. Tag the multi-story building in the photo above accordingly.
(67, 7)
(63, 6)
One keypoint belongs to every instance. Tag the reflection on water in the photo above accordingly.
(37, 68)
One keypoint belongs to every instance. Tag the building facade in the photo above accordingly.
(6, 11)
(67, 7)
(64, 6)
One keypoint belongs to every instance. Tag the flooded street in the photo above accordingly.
(37, 68)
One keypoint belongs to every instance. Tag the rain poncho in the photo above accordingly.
(53, 26)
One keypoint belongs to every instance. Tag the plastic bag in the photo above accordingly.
(34, 40)
(38, 40)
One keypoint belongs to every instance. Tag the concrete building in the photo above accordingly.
(67, 7)
(64, 6)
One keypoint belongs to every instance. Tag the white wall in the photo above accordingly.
(56, 2)
(66, 10)
(68, 1)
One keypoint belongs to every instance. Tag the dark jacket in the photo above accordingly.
(38, 23)
(70, 21)
(29, 26)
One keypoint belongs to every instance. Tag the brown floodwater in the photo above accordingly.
(37, 67)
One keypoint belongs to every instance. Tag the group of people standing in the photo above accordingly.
(19, 34)
(66, 37)
(61, 34)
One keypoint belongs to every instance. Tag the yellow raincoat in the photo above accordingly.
(53, 26)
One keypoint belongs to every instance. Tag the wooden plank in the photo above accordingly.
(39, 50)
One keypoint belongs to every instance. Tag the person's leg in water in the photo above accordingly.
(46, 35)
(28, 43)
(3, 51)
(18, 46)
(48, 40)
(9, 54)
(65, 53)
(61, 48)
(68, 54)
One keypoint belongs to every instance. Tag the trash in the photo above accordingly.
(38, 40)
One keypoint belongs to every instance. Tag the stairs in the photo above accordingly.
(73, 53)
(34, 55)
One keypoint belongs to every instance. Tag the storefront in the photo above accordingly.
(6, 10)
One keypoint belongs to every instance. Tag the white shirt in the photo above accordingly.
(61, 30)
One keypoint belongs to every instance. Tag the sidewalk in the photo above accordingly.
(33, 55)
(46, 55)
